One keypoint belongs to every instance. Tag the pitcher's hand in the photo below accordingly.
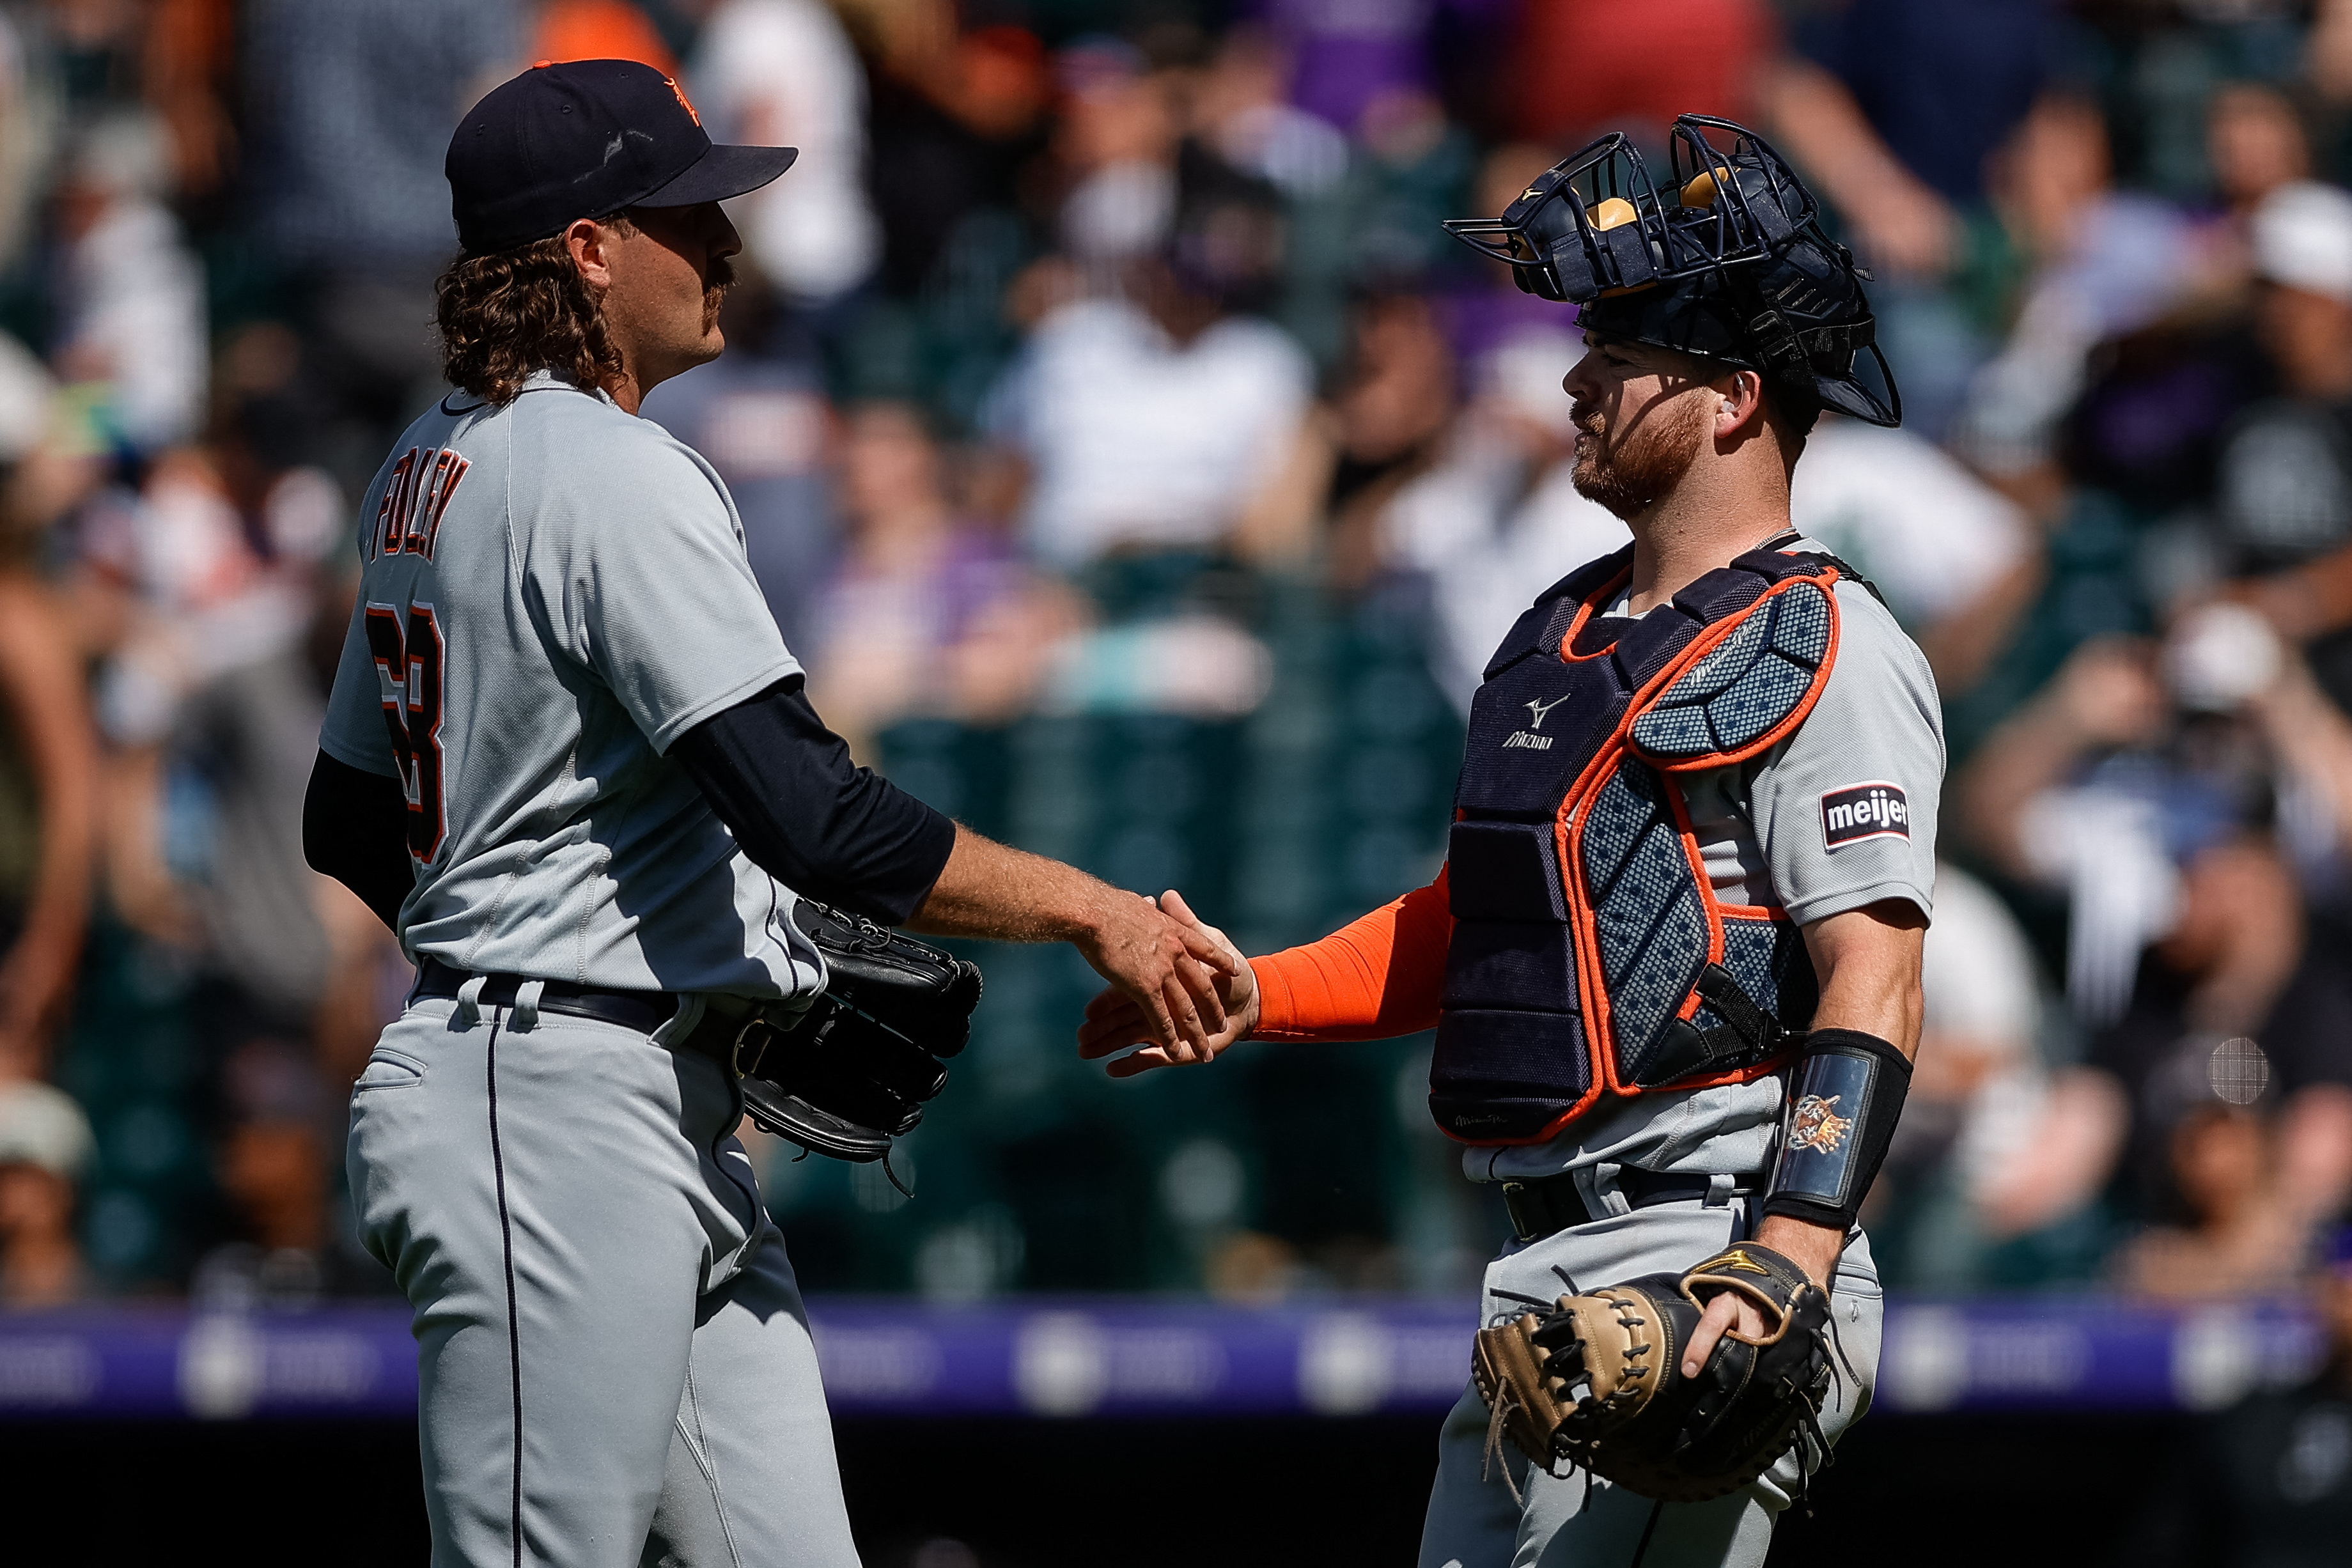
(1169, 971)
(1114, 1020)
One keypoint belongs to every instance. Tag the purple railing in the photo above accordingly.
(1066, 1358)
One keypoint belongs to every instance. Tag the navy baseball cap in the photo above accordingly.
(582, 139)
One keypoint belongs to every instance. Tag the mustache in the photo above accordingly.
(714, 291)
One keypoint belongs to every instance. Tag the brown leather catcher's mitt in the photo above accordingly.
(1598, 1383)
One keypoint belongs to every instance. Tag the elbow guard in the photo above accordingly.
(1845, 1094)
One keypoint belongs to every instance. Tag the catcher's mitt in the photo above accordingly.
(1598, 1382)
(850, 1074)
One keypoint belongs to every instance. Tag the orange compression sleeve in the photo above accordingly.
(1375, 977)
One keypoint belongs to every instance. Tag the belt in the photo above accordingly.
(644, 1011)
(1548, 1204)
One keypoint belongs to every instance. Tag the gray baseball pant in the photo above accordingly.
(1474, 1521)
(615, 1367)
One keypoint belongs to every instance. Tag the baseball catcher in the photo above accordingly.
(1672, 958)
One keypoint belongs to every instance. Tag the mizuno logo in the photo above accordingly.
(1522, 741)
(1735, 1259)
(1539, 708)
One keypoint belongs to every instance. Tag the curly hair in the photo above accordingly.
(510, 314)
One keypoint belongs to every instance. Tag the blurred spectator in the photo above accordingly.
(129, 297)
(1495, 514)
(1154, 418)
(1416, 171)
(2150, 423)
(953, 118)
(2239, 1235)
(929, 613)
(2267, 1482)
(1395, 399)
(1895, 105)
(348, 110)
(1116, 147)
(45, 1141)
(1241, 113)
(27, 114)
(189, 64)
(2104, 263)
(781, 73)
(2254, 143)
(1337, 59)
(1957, 562)
(2069, 794)
(2282, 511)
(48, 753)
(758, 413)
(598, 30)
(2163, 808)
(954, 114)
(1634, 66)
(213, 695)
(1976, 1092)
(273, 1163)
(48, 769)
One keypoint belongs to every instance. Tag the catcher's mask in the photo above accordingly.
(1731, 265)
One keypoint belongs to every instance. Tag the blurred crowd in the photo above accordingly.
(1143, 476)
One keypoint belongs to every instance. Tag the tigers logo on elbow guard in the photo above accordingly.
(1816, 1127)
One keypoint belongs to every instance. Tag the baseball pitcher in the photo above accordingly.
(567, 760)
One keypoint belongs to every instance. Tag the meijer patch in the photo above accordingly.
(1865, 812)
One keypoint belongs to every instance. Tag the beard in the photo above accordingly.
(1627, 470)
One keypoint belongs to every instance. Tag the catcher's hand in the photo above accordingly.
(1600, 1381)
(852, 1073)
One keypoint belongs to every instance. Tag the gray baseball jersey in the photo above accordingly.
(550, 593)
(1781, 829)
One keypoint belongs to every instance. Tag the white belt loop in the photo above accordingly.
(525, 1015)
(1598, 1187)
(1719, 1188)
(469, 1000)
(681, 1023)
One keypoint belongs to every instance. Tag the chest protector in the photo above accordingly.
(1589, 954)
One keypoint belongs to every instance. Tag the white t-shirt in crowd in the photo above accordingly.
(1134, 439)
(782, 73)
(1910, 518)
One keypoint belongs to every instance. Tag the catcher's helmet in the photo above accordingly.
(1732, 265)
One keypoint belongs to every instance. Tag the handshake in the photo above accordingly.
(849, 1074)
(1207, 1001)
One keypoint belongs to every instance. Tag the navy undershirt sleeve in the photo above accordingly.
(784, 785)
(355, 830)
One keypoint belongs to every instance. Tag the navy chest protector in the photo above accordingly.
(1589, 954)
